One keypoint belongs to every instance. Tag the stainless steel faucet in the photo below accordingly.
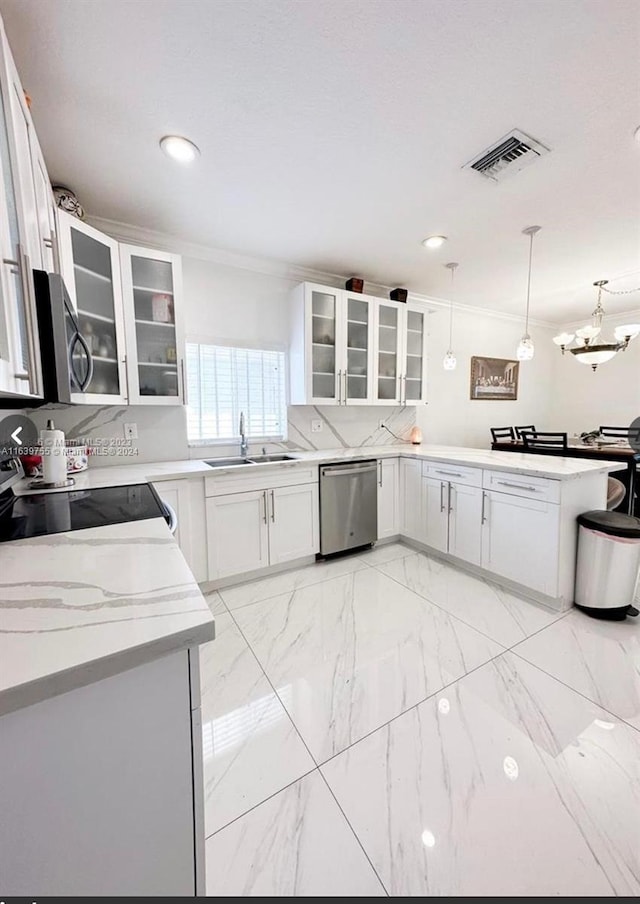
(244, 445)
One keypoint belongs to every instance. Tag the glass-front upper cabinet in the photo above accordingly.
(152, 294)
(90, 266)
(357, 364)
(389, 334)
(415, 359)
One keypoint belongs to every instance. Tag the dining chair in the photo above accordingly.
(530, 427)
(627, 433)
(502, 434)
(534, 439)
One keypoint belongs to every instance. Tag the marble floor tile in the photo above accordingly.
(508, 783)
(599, 659)
(215, 602)
(298, 843)
(499, 614)
(250, 748)
(349, 654)
(288, 581)
(386, 552)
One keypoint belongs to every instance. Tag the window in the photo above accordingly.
(223, 381)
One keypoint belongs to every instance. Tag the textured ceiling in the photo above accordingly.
(333, 132)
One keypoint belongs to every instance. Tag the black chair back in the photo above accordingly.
(530, 428)
(502, 434)
(628, 433)
(534, 439)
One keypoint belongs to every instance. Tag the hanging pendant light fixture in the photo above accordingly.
(526, 350)
(449, 361)
(590, 348)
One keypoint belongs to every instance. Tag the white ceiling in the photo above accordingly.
(333, 132)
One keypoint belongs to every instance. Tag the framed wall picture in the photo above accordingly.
(494, 379)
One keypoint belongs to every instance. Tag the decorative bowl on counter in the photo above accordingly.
(77, 459)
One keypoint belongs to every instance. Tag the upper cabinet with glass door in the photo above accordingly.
(315, 364)
(90, 266)
(415, 357)
(20, 367)
(389, 344)
(358, 312)
(152, 295)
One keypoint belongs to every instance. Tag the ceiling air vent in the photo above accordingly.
(508, 155)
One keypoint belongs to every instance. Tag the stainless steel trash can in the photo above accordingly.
(608, 564)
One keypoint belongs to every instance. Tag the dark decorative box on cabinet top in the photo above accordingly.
(355, 285)
(398, 294)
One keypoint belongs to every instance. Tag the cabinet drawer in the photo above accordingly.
(247, 478)
(522, 485)
(471, 477)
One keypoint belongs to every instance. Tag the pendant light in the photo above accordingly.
(449, 361)
(525, 350)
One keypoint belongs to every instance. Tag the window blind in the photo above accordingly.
(223, 381)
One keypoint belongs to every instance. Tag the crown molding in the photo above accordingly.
(137, 235)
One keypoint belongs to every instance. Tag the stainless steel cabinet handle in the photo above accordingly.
(273, 506)
(345, 388)
(48, 243)
(441, 496)
(339, 387)
(449, 473)
(517, 486)
(380, 473)
(449, 505)
(184, 383)
(484, 517)
(264, 506)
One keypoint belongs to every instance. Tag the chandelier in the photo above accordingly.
(591, 347)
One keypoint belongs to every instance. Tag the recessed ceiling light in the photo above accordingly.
(434, 241)
(180, 149)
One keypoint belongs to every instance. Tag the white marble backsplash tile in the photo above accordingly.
(162, 432)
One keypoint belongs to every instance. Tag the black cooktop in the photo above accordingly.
(51, 513)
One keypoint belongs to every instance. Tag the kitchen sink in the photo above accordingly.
(228, 462)
(263, 459)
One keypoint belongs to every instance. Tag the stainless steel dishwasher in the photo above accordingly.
(348, 505)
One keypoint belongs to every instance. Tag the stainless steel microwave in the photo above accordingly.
(67, 365)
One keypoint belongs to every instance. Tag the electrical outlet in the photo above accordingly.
(131, 431)
(316, 425)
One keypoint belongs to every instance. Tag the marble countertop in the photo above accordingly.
(553, 467)
(80, 606)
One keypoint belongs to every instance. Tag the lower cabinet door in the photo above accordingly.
(237, 533)
(465, 522)
(435, 496)
(520, 540)
(388, 492)
(294, 520)
(412, 523)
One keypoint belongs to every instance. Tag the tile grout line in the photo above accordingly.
(427, 599)
(283, 592)
(316, 769)
(570, 688)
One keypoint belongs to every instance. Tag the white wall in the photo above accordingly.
(451, 417)
(585, 399)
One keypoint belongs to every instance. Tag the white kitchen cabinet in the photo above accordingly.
(331, 350)
(465, 522)
(412, 519)
(250, 530)
(152, 299)
(520, 540)
(45, 209)
(436, 502)
(294, 522)
(20, 369)
(186, 498)
(237, 533)
(90, 265)
(400, 358)
(388, 498)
